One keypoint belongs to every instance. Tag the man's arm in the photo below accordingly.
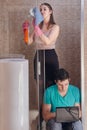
(78, 101)
(46, 112)
(80, 112)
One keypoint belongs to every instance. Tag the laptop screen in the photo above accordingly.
(67, 114)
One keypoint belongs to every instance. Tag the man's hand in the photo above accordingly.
(46, 112)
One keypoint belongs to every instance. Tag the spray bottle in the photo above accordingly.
(26, 31)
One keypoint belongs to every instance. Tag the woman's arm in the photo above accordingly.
(28, 38)
(31, 38)
(52, 36)
(46, 112)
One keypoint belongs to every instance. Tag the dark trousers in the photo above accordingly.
(45, 63)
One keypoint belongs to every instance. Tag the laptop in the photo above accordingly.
(67, 114)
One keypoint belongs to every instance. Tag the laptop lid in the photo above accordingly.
(67, 114)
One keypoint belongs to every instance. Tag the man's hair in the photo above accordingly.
(61, 74)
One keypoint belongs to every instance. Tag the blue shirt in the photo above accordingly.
(53, 97)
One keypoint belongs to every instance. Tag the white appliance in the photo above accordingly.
(14, 94)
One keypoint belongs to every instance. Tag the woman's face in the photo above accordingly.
(45, 11)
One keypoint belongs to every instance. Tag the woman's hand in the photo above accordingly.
(38, 31)
(25, 25)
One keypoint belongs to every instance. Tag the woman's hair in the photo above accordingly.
(51, 21)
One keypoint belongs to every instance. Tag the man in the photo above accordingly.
(60, 95)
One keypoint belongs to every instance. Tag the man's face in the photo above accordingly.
(63, 85)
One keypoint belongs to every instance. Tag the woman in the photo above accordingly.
(45, 36)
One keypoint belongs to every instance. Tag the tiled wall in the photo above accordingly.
(67, 14)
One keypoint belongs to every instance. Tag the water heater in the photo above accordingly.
(14, 94)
